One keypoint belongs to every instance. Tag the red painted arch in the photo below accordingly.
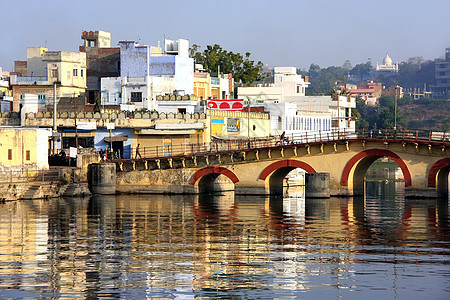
(210, 170)
(285, 163)
(435, 169)
(377, 152)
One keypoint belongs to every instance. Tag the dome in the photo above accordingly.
(387, 61)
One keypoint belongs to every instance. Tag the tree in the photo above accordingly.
(98, 104)
(362, 70)
(347, 65)
(242, 67)
(324, 80)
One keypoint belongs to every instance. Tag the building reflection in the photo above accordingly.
(169, 246)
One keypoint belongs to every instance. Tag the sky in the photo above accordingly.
(278, 33)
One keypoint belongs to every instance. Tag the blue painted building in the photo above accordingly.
(136, 60)
(121, 140)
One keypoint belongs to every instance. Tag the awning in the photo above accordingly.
(179, 126)
(80, 133)
(166, 132)
(116, 139)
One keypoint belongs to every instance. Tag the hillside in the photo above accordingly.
(427, 114)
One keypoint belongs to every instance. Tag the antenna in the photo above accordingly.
(45, 44)
(138, 39)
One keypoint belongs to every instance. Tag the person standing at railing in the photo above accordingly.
(137, 151)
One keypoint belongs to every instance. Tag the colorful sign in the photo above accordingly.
(233, 125)
(217, 125)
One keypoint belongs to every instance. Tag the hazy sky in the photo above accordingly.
(279, 33)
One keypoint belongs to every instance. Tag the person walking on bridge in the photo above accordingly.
(137, 151)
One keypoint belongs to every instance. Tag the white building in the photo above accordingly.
(288, 118)
(291, 83)
(139, 92)
(137, 60)
(387, 66)
(297, 113)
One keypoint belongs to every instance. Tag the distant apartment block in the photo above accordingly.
(442, 74)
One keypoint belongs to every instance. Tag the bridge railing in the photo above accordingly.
(406, 134)
(221, 145)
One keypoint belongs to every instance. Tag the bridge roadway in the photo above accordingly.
(260, 169)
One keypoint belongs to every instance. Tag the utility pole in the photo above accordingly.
(395, 108)
(54, 119)
(76, 128)
(248, 122)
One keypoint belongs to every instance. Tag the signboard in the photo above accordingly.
(233, 125)
(217, 125)
(87, 125)
(110, 125)
(73, 152)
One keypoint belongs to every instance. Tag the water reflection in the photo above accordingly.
(154, 246)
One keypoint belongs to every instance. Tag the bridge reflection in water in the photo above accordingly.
(216, 246)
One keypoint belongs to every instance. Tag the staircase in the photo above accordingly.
(31, 192)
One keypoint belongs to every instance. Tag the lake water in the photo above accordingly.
(184, 247)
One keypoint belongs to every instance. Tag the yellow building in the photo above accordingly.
(44, 69)
(22, 148)
(202, 85)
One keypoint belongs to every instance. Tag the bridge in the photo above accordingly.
(259, 166)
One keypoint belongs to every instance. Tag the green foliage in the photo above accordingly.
(241, 66)
(362, 71)
(98, 104)
(325, 80)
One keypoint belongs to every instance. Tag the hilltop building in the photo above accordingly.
(387, 66)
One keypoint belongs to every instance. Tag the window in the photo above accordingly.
(28, 155)
(136, 96)
(54, 72)
(75, 72)
(41, 99)
(9, 154)
(82, 73)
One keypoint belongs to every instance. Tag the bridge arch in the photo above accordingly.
(363, 160)
(277, 171)
(205, 178)
(438, 176)
(436, 169)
